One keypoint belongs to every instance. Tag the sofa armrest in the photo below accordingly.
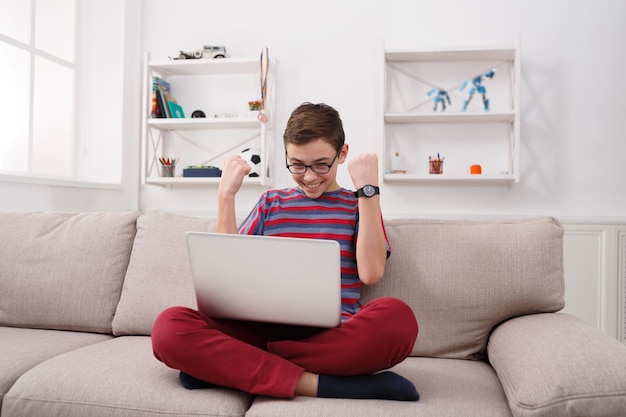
(554, 364)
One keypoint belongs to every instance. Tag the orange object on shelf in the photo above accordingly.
(476, 169)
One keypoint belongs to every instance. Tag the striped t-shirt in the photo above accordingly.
(334, 216)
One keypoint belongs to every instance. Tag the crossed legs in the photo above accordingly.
(284, 361)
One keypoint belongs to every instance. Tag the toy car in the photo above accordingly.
(207, 51)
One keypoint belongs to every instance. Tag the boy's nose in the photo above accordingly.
(309, 175)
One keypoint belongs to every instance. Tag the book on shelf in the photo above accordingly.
(176, 111)
(161, 96)
(161, 113)
(154, 104)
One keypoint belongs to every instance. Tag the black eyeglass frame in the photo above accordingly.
(315, 167)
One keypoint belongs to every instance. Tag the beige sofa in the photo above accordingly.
(79, 293)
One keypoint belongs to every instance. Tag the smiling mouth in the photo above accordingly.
(313, 186)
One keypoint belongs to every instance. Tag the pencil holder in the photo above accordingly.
(435, 166)
(168, 170)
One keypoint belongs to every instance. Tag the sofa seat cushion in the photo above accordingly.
(159, 275)
(463, 277)
(447, 387)
(119, 377)
(63, 271)
(22, 349)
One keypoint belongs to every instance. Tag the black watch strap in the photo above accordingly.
(367, 190)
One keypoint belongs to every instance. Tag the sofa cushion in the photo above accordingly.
(159, 275)
(558, 365)
(447, 387)
(63, 270)
(21, 349)
(462, 277)
(119, 377)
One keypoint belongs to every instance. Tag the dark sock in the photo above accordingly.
(383, 386)
(190, 382)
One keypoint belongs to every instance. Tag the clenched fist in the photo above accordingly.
(234, 170)
(363, 170)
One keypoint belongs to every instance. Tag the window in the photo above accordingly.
(38, 77)
(62, 69)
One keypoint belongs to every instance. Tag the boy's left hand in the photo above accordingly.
(363, 170)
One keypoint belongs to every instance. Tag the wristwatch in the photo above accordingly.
(367, 190)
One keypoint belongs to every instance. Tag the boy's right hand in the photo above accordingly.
(234, 170)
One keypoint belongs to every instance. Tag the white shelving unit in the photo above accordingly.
(221, 88)
(415, 130)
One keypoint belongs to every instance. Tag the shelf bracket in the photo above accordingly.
(155, 147)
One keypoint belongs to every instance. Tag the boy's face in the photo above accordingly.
(317, 153)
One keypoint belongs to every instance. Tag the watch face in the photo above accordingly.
(369, 191)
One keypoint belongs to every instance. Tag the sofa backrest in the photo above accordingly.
(63, 271)
(462, 278)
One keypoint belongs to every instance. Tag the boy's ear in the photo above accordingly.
(343, 155)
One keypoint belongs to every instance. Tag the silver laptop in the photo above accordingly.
(267, 279)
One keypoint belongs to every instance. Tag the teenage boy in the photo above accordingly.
(284, 360)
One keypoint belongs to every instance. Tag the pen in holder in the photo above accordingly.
(168, 167)
(435, 165)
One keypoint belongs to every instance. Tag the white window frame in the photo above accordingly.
(28, 176)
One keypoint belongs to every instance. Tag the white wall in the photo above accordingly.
(100, 112)
(595, 275)
(573, 106)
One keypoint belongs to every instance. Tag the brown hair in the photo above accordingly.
(310, 121)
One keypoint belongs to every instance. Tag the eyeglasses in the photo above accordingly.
(316, 168)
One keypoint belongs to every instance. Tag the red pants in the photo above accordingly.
(269, 359)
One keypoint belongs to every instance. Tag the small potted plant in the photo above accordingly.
(255, 106)
(256, 110)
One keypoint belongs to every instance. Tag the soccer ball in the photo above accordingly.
(253, 157)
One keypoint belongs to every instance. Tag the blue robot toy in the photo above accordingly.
(477, 86)
(441, 96)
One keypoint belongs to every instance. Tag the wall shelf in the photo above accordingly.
(221, 88)
(449, 117)
(221, 66)
(465, 133)
(204, 123)
(194, 181)
(503, 179)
